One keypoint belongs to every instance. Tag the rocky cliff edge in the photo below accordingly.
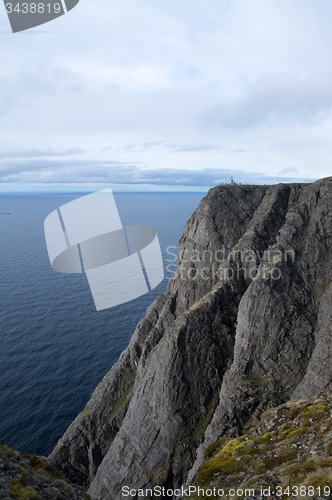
(245, 325)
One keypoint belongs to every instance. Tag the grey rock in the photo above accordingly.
(52, 494)
(245, 324)
(252, 444)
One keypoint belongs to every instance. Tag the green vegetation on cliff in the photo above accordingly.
(32, 477)
(291, 446)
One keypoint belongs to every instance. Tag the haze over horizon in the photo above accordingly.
(167, 95)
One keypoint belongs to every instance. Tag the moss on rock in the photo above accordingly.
(33, 477)
(290, 446)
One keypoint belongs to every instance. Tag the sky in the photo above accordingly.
(155, 95)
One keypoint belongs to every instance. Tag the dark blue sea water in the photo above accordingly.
(55, 346)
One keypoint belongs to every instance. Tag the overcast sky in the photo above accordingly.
(168, 94)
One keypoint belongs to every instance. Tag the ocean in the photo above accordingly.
(55, 346)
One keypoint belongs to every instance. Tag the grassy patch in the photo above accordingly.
(296, 450)
(17, 491)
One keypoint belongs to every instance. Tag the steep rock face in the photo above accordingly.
(244, 325)
(86, 442)
(283, 324)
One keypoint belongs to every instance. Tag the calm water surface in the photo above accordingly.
(55, 346)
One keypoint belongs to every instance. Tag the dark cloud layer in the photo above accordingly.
(115, 172)
(273, 99)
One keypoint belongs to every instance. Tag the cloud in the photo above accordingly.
(273, 99)
(114, 172)
(174, 148)
(113, 86)
(182, 148)
(60, 170)
(208, 78)
(288, 171)
(152, 144)
(130, 148)
(22, 87)
(35, 153)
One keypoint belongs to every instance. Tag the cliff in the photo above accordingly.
(289, 451)
(32, 477)
(245, 325)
